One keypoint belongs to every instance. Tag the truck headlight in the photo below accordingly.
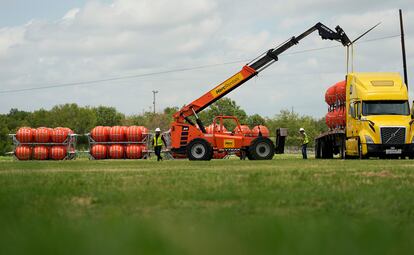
(368, 139)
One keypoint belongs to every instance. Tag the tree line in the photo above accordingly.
(82, 119)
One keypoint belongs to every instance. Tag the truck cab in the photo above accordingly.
(379, 122)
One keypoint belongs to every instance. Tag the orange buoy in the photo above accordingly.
(100, 134)
(59, 135)
(329, 120)
(144, 130)
(43, 135)
(341, 117)
(340, 91)
(23, 152)
(40, 152)
(57, 152)
(134, 134)
(134, 151)
(210, 129)
(260, 129)
(117, 134)
(99, 151)
(215, 128)
(330, 96)
(116, 151)
(24, 135)
(70, 131)
(245, 130)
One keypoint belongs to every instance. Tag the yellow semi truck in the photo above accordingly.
(377, 120)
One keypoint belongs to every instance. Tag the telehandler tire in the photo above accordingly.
(261, 148)
(199, 149)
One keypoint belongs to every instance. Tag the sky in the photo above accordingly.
(48, 43)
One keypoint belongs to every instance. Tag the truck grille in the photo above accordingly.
(393, 135)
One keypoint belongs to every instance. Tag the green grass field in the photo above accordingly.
(283, 206)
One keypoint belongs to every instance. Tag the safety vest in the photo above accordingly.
(305, 138)
(157, 141)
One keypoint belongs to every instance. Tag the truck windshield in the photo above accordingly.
(393, 107)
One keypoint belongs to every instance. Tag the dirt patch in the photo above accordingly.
(382, 174)
(82, 201)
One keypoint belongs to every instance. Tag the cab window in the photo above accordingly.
(390, 107)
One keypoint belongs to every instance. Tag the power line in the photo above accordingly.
(72, 84)
(117, 78)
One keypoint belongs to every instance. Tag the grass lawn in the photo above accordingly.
(283, 206)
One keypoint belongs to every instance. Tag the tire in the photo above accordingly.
(248, 156)
(261, 149)
(199, 149)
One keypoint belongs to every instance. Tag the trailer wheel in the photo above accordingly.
(261, 149)
(343, 148)
(318, 148)
(199, 149)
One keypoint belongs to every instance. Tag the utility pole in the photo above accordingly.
(153, 102)
(403, 49)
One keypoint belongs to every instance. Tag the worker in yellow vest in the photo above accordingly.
(157, 142)
(305, 141)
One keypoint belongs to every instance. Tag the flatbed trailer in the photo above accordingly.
(330, 143)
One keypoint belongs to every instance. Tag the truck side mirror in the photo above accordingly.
(412, 110)
(358, 110)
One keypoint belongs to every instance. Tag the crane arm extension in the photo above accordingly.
(252, 69)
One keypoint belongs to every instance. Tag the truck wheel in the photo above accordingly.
(199, 149)
(261, 149)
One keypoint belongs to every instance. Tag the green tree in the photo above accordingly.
(171, 110)
(16, 118)
(151, 120)
(41, 118)
(224, 106)
(5, 141)
(254, 120)
(80, 119)
(293, 121)
(108, 116)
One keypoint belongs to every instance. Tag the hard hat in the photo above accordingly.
(301, 130)
(157, 130)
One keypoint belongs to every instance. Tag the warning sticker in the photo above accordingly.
(228, 143)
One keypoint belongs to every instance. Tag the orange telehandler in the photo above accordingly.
(191, 139)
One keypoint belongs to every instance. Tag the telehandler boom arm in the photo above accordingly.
(250, 70)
